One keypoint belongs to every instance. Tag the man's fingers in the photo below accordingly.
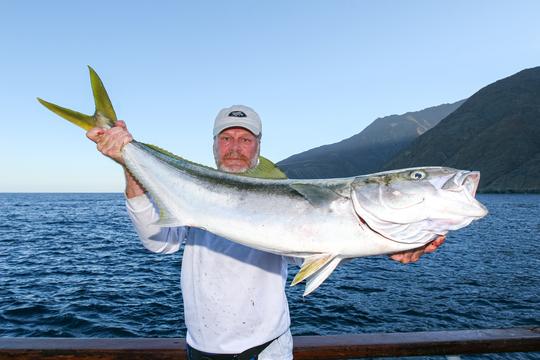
(121, 123)
(409, 256)
(116, 135)
(127, 140)
(95, 133)
(110, 146)
(431, 247)
(414, 255)
(110, 142)
(434, 245)
(396, 257)
(403, 257)
(441, 239)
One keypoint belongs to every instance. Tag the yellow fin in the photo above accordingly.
(82, 120)
(265, 169)
(317, 279)
(101, 99)
(104, 115)
(311, 265)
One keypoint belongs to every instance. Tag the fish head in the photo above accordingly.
(416, 205)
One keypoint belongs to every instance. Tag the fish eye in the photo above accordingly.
(417, 175)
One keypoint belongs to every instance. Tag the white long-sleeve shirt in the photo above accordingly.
(234, 296)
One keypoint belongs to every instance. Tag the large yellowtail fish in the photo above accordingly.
(323, 221)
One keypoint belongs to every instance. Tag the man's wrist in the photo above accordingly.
(133, 187)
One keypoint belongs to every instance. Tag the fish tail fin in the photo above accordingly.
(104, 115)
(82, 120)
(104, 106)
(316, 269)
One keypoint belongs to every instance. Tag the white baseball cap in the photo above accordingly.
(238, 115)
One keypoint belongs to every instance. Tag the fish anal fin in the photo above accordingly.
(311, 265)
(317, 279)
(316, 195)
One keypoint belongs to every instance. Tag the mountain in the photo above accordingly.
(496, 131)
(369, 150)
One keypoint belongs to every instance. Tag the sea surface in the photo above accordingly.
(71, 265)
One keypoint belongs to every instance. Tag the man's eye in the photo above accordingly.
(245, 140)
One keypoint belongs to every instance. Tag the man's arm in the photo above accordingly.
(144, 215)
(110, 143)
(133, 187)
(413, 255)
(139, 206)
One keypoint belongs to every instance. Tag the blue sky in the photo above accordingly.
(316, 71)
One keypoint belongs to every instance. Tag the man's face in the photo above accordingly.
(236, 150)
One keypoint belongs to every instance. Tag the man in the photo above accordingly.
(234, 297)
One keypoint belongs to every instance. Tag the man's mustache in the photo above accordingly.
(235, 156)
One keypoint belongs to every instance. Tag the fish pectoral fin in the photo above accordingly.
(317, 279)
(316, 195)
(311, 265)
(166, 218)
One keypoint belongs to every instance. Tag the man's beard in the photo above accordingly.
(234, 155)
(236, 169)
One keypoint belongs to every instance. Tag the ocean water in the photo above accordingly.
(71, 266)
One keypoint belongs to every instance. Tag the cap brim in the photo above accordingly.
(255, 131)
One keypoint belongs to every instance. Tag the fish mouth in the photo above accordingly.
(470, 182)
(467, 182)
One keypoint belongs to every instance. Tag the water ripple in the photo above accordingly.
(71, 266)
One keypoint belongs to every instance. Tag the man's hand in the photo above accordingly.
(110, 142)
(409, 256)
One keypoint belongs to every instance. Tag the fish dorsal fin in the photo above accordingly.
(315, 194)
(163, 151)
(265, 169)
(170, 155)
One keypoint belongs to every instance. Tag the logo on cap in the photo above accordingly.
(237, 114)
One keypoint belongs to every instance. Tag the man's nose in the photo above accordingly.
(235, 145)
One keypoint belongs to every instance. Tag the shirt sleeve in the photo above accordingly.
(143, 215)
